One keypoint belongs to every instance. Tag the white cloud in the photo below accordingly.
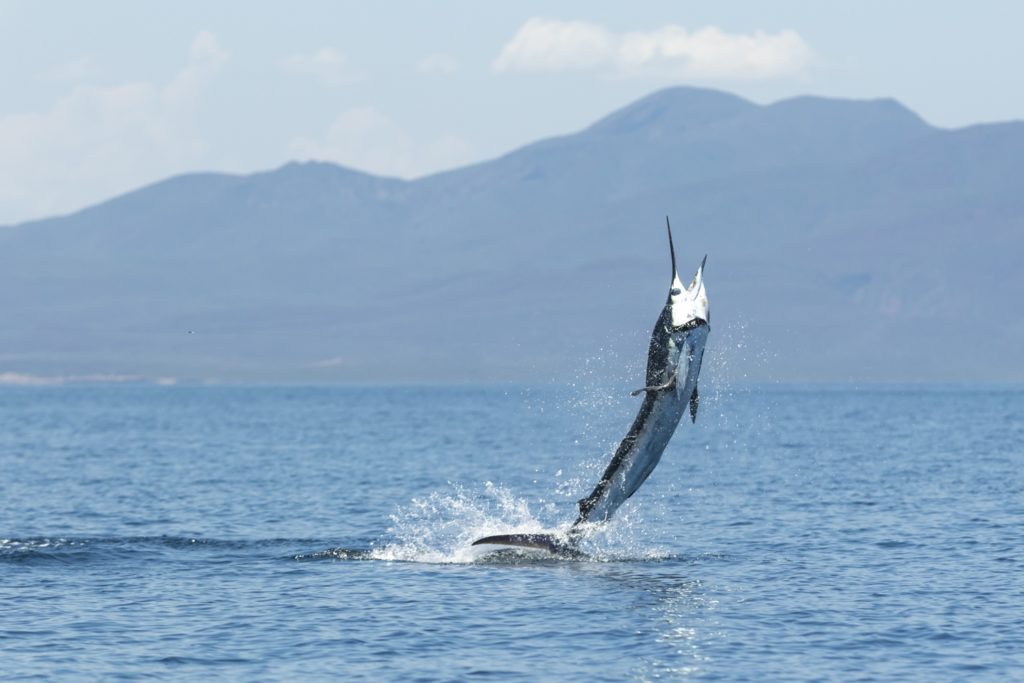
(367, 140)
(99, 141)
(712, 52)
(326, 64)
(206, 59)
(552, 45)
(437, 64)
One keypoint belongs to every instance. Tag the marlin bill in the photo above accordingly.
(673, 366)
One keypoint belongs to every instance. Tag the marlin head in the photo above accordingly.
(689, 305)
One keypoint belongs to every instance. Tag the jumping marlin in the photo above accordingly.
(673, 364)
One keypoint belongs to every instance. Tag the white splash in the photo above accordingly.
(442, 527)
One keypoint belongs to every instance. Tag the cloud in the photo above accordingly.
(437, 64)
(365, 139)
(206, 59)
(98, 141)
(550, 45)
(327, 65)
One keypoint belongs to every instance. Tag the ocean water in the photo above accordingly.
(285, 533)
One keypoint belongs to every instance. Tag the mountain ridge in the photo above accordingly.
(851, 212)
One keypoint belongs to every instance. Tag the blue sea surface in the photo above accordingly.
(286, 533)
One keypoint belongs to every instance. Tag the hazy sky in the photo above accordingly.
(101, 97)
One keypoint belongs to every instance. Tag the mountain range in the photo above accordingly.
(847, 241)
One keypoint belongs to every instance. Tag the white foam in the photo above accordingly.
(442, 527)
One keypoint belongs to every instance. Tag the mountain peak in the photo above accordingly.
(677, 107)
(314, 169)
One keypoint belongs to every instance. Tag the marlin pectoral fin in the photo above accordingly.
(694, 400)
(661, 387)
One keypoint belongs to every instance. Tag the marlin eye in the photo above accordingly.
(676, 291)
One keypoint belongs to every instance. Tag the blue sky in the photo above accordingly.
(100, 98)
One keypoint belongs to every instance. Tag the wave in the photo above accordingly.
(89, 549)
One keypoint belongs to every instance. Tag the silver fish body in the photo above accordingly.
(673, 367)
(640, 451)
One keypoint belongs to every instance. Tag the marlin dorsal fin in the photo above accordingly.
(671, 248)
